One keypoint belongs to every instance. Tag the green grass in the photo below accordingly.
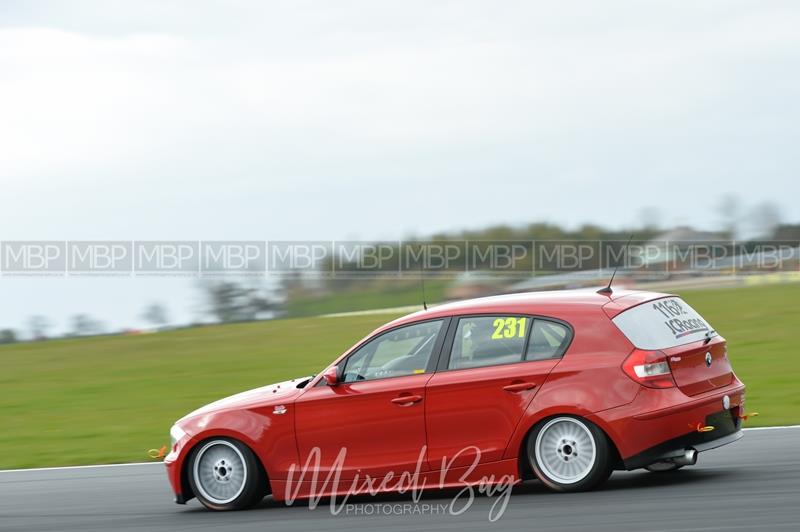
(762, 327)
(110, 399)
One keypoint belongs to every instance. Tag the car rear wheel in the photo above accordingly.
(663, 467)
(569, 454)
(224, 475)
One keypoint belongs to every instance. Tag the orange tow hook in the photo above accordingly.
(157, 453)
(699, 427)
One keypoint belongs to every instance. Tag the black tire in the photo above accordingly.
(663, 467)
(592, 455)
(214, 459)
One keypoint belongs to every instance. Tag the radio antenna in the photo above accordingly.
(607, 289)
(422, 279)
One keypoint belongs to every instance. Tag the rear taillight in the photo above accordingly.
(649, 368)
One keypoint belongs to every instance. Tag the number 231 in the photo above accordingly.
(509, 328)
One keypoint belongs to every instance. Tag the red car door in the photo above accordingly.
(484, 384)
(377, 413)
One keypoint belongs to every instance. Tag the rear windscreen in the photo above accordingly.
(662, 323)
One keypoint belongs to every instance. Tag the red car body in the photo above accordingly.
(386, 423)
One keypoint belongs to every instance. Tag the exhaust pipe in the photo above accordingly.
(689, 458)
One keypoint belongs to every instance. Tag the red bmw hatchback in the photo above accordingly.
(561, 386)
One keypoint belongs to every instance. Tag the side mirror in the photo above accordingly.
(331, 376)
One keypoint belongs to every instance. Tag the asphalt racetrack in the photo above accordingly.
(753, 484)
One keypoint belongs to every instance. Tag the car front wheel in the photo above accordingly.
(569, 454)
(224, 475)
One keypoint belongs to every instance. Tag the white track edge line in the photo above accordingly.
(58, 468)
(154, 463)
(773, 428)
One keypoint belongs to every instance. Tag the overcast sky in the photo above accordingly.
(342, 120)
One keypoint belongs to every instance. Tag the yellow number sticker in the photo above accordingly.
(509, 328)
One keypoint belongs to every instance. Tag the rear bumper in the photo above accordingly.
(675, 448)
(663, 423)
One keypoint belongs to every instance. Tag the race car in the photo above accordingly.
(563, 386)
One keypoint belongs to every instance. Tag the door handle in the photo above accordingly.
(519, 386)
(407, 400)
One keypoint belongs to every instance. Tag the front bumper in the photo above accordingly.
(174, 465)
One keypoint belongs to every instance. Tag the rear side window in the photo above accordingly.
(489, 340)
(663, 323)
(548, 340)
(492, 340)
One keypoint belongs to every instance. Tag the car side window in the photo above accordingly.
(488, 341)
(402, 351)
(548, 340)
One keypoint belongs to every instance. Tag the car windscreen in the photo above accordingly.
(662, 323)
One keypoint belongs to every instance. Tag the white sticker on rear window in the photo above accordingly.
(662, 323)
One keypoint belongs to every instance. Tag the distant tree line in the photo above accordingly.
(228, 301)
(7, 336)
